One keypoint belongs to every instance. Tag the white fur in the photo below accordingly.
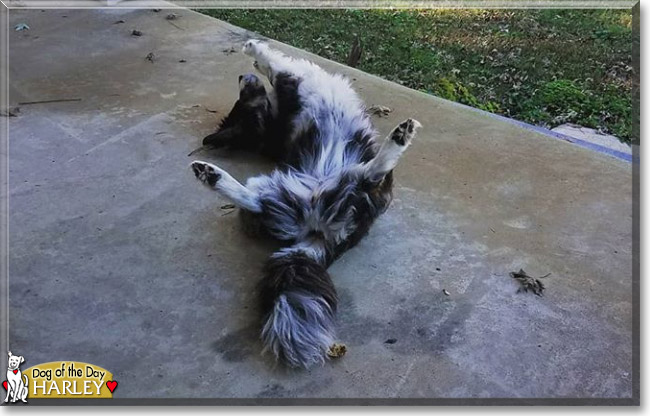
(328, 100)
(389, 153)
(232, 189)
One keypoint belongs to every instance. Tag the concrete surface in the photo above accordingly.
(118, 257)
(593, 136)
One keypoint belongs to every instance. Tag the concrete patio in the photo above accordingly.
(119, 258)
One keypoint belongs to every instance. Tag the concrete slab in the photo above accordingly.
(593, 136)
(119, 258)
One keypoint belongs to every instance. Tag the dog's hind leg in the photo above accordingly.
(267, 61)
(219, 180)
(271, 62)
(12, 387)
(391, 150)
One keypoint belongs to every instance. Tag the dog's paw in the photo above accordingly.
(405, 132)
(251, 47)
(206, 173)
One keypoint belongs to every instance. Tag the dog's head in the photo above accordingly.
(15, 361)
(246, 123)
(250, 87)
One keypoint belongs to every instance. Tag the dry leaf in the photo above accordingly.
(379, 110)
(337, 350)
(528, 282)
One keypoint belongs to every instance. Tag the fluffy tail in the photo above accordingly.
(299, 304)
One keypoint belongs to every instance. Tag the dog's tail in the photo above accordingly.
(26, 383)
(299, 304)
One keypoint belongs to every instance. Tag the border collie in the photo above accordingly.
(334, 177)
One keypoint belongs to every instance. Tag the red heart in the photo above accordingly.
(4, 384)
(112, 384)
(15, 371)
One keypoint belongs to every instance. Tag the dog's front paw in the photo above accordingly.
(405, 132)
(206, 173)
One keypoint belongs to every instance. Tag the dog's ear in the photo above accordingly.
(22, 360)
(10, 353)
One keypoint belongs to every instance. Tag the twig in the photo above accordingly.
(195, 151)
(355, 53)
(62, 100)
(174, 24)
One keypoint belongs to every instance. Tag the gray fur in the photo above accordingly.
(335, 178)
(299, 330)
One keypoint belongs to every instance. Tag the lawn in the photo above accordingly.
(546, 67)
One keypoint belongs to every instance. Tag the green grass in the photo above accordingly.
(546, 67)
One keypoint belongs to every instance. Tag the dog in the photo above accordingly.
(17, 382)
(334, 178)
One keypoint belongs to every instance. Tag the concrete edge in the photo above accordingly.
(555, 135)
(538, 129)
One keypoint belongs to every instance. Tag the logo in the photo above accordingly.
(16, 382)
(57, 380)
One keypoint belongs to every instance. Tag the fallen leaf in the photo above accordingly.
(337, 350)
(528, 282)
(379, 110)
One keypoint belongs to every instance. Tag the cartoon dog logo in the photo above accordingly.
(16, 381)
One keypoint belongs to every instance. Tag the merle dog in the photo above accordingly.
(334, 177)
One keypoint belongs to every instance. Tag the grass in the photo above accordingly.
(546, 67)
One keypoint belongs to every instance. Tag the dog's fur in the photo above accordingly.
(17, 382)
(334, 178)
